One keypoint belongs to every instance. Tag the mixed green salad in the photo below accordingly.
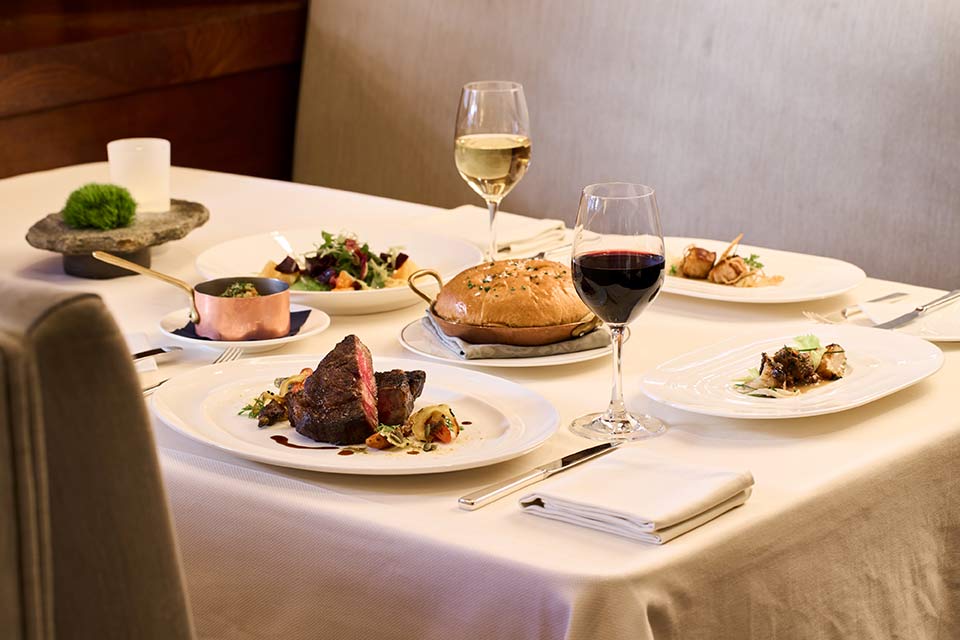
(340, 263)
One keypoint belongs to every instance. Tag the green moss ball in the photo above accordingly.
(99, 206)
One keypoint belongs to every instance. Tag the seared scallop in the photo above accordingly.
(729, 271)
(833, 364)
(697, 262)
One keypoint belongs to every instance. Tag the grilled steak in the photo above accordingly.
(396, 392)
(338, 402)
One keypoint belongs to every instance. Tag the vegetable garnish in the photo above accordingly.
(240, 290)
(341, 263)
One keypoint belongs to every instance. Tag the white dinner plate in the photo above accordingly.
(878, 363)
(505, 419)
(248, 255)
(316, 322)
(805, 277)
(416, 339)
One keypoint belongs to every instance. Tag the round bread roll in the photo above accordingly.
(511, 293)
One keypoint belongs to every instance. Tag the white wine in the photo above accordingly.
(492, 163)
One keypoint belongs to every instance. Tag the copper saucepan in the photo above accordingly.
(500, 334)
(219, 318)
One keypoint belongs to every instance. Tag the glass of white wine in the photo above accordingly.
(492, 144)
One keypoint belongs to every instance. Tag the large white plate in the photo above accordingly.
(805, 277)
(248, 255)
(506, 419)
(878, 363)
(415, 338)
(317, 322)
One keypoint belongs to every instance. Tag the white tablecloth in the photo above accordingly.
(853, 529)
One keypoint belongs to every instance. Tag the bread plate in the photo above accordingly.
(533, 310)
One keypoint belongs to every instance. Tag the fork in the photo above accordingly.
(836, 317)
(227, 355)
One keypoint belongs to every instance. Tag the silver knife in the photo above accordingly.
(913, 315)
(485, 496)
(158, 351)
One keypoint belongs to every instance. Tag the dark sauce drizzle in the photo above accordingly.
(283, 440)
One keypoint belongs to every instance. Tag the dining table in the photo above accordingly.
(852, 529)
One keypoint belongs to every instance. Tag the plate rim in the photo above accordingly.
(501, 363)
(648, 388)
(861, 275)
(325, 320)
(165, 415)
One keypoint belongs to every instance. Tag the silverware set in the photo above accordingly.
(838, 317)
(227, 355)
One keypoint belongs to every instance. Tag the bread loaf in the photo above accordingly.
(511, 293)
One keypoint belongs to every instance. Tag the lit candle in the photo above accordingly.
(142, 165)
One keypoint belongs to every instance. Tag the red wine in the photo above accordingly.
(618, 285)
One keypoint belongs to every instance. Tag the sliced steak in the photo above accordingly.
(396, 392)
(338, 402)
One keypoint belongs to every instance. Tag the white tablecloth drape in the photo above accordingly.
(852, 531)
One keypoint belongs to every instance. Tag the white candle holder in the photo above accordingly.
(142, 165)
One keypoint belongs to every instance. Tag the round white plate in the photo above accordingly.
(878, 363)
(805, 277)
(415, 338)
(316, 322)
(506, 420)
(248, 255)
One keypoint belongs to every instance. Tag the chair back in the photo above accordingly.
(824, 127)
(86, 544)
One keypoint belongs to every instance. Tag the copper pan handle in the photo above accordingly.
(109, 258)
(424, 272)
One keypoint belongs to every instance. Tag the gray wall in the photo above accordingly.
(823, 127)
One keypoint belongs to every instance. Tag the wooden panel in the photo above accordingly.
(241, 124)
(205, 43)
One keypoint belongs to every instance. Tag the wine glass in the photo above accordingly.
(618, 269)
(492, 142)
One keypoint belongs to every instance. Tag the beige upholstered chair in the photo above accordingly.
(86, 545)
(820, 126)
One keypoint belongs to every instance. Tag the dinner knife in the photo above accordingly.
(483, 497)
(899, 321)
(158, 351)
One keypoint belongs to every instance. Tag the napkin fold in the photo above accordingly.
(515, 233)
(880, 312)
(596, 339)
(639, 497)
(137, 342)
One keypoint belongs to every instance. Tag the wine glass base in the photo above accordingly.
(633, 426)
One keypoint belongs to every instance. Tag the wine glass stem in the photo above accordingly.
(492, 207)
(617, 411)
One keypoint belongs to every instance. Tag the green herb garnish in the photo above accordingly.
(753, 261)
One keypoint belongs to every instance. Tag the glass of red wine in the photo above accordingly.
(618, 269)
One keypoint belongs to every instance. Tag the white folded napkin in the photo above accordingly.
(634, 495)
(515, 233)
(137, 342)
(880, 312)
